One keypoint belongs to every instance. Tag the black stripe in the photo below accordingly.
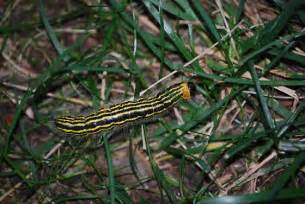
(160, 110)
(138, 114)
(141, 103)
(164, 96)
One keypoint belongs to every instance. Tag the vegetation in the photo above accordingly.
(239, 139)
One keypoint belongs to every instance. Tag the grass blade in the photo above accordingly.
(111, 182)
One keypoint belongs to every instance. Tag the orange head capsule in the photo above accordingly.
(185, 89)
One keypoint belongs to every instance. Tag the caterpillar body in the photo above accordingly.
(124, 114)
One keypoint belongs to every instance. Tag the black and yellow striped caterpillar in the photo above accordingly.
(123, 114)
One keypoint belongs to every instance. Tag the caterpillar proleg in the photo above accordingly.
(123, 114)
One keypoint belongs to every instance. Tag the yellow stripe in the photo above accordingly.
(131, 111)
(135, 104)
(139, 108)
(119, 107)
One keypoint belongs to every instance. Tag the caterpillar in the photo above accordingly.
(124, 114)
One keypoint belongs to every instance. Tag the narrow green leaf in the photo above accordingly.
(241, 7)
(283, 195)
(262, 99)
(205, 19)
(172, 8)
(291, 146)
(233, 80)
(270, 44)
(159, 175)
(280, 183)
(51, 33)
(179, 43)
(111, 182)
(273, 28)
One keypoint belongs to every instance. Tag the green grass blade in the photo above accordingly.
(290, 120)
(174, 9)
(198, 117)
(291, 146)
(50, 31)
(236, 80)
(186, 53)
(159, 175)
(241, 7)
(273, 29)
(262, 99)
(280, 183)
(19, 109)
(283, 195)
(204, 17)
(111, 182)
